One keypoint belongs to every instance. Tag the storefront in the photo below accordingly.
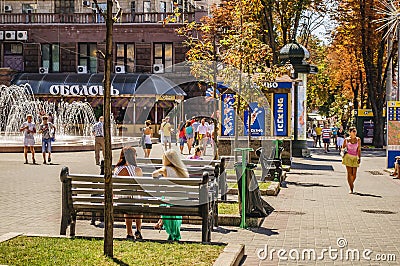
(141, 90)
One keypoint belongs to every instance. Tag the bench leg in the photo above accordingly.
(72, 226)
(64, 225)
(205, 225)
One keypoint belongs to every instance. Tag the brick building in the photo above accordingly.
(50, 37)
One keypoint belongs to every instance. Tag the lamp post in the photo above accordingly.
(296, 54)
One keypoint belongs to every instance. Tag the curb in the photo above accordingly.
(232, 255)
(8, 236)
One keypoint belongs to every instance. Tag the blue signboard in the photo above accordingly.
(281, 107)
(228, 115)
(257, 122)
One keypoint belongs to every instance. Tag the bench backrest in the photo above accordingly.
(127, 190)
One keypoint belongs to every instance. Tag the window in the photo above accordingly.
(87, 56)
(163, 9)
(13, 48)
(146, 10)
(126, 56)
(51, 57)
(28, 8)
(163, 55)
(64, 6)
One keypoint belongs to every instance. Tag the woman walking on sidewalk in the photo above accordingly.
(352, 157)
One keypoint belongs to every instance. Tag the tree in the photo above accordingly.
(108, 190)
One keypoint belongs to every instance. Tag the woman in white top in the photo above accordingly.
(148, 133)
(173, 167)
(127, 166)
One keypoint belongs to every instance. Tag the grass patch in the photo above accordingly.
(261, 185)
(228, 208)
(233, 172)
(63, 251)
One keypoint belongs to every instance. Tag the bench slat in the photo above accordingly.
(185, 161)
(138, 180)
(139, 187)
(144, 201)
(137, 193)
(165, 210)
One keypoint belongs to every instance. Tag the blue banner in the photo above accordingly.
(281, 107)
(228, 115)
(257, 122)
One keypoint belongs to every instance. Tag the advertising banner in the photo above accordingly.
(228, 115)
(257, 122)
(280, 108)
(393, 132)
(301, 107)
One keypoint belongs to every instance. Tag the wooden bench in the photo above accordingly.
(82, 193)
(194, 172)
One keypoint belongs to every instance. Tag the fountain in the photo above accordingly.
(73, 121)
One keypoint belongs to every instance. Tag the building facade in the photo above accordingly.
(56, 36)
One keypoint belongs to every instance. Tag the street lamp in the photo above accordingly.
(295, 54)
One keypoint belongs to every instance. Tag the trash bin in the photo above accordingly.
(255, 205)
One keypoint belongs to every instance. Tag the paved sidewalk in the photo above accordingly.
(311, 213)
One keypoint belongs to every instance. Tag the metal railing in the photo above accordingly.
(85, 18)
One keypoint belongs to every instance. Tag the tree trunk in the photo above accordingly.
(108, 189)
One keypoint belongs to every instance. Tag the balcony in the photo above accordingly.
(90, 18)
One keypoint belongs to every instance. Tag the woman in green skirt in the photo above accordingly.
(172, 167)
(352, 157)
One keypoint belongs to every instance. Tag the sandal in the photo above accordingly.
(159, 225)
(392, 174)
(138, 235)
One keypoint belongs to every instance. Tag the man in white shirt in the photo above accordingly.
(202, 130)
(166, 129)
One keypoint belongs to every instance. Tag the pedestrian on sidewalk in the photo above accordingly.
(314, 135)
(326, 137)
(48, 130)
(148, 133)
(318, 131)
(166, 129)
(29, 129)
(189, 135)
(352, 158)
(340, 138)
(98, 133)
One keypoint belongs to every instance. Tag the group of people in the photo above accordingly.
(46, 128)
(192, 133)
(172, 167)
(327, 134)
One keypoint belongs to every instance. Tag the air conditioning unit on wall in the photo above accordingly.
(9, 35)
(82, 69)
(22, 35)
(120, 69)
(43, 70)
(86, 3)
(158, 68)
(7, 8)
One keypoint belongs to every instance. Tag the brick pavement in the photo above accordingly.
(313, 212)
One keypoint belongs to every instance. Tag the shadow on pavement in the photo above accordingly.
(366, 195)
(263, 231)
(303, 166)
(119, 262)
(324, 159)
(223, 230)
(310, 184)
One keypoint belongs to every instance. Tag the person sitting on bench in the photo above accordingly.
(127, 166)
(172, 167)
